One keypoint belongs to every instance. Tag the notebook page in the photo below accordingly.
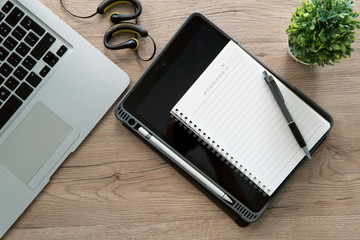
(231, 107)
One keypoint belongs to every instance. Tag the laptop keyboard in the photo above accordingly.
(26, 58)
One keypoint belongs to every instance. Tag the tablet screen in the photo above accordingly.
(187, 55)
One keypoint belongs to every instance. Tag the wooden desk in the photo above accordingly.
(116, 187)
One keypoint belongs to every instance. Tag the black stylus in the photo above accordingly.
(281, 102)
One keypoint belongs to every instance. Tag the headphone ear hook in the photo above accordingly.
(133, 43)
(116, 17)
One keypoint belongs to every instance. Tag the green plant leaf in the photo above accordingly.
(336, 47)
(322, 35)
(321, 31)
(343, 48)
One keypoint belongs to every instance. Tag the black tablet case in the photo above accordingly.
(241, 214)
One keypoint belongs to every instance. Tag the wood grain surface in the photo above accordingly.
(115, 187)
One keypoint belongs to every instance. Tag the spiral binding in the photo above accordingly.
(220, 152)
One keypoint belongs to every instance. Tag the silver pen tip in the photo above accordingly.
(265, 74)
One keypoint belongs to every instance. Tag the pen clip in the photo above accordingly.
(272, 81)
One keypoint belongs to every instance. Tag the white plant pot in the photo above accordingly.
(293, 57)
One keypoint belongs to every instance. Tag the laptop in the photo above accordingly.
(54, 88)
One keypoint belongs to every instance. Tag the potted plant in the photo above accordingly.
(320, 32)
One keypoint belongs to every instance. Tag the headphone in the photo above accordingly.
(116, 17)
(120, 26)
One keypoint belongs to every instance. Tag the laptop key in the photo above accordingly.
(2, 15)
(31, 39)
(4, 29)
(18, 33)
(10, 43)
(24, 91)
(50, 59)
(61, 51)
(7, 7)
(29, 63)
(14, 59)
(45, 71)
(53, 61)
(29, 24)
(12, 83)
(42, 47)
(20, 73)
(3, 53)
(6, 69)
(14, 17)
(2, 79)
(4, 93)
(8, 109)
(33, 79)
(23, 49)
(48, 56)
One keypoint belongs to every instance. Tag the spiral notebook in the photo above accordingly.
(231, 109)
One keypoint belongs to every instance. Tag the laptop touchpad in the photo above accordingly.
(26, 151)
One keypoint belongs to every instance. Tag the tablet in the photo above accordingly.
(147, 105)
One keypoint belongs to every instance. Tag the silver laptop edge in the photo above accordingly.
(78, 92)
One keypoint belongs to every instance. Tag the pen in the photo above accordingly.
(182, 163)
(281, 102)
